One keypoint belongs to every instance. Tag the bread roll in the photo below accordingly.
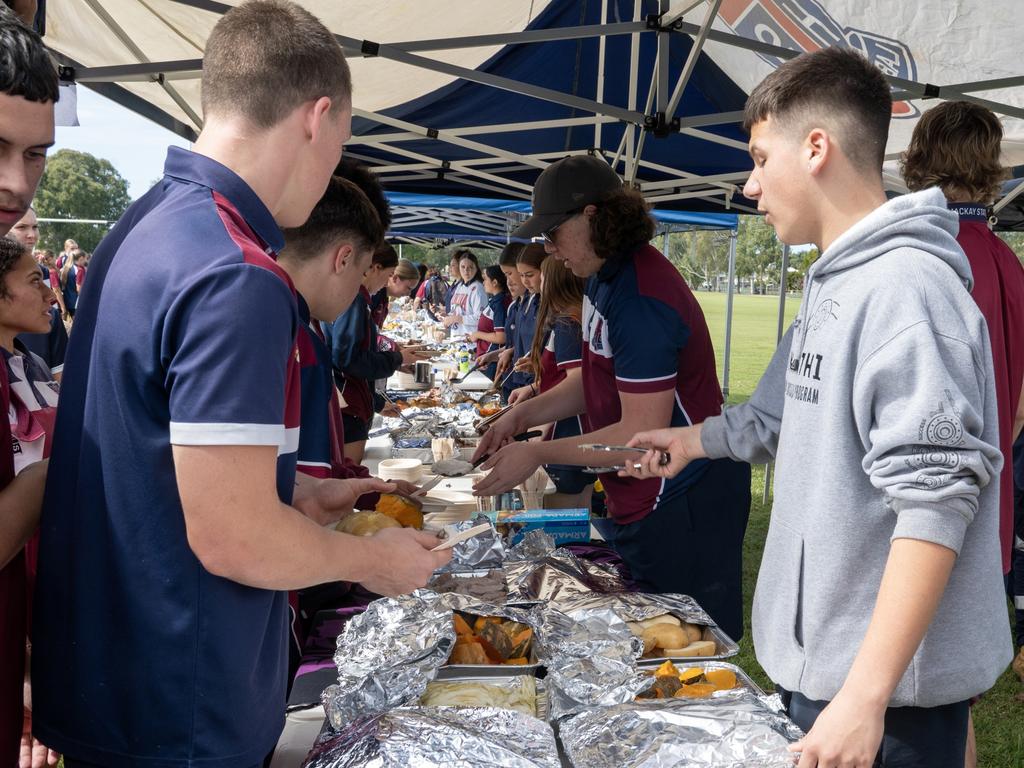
(365, 523)
(665, 636)
(665, 618)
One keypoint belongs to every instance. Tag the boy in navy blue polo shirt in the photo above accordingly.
(647, 358)
(174, 528)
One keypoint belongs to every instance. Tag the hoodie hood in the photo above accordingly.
(920, 220)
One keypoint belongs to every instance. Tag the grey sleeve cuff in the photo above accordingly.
(713, 438)
(943, 523)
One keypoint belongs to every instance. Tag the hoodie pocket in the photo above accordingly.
(778, 600)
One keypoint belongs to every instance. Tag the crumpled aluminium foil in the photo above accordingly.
(591, 661)
(561, 575)
(480, 552)
(440, 737)
(388, 654)
(732, 729)
(637, 606)
(534, 545)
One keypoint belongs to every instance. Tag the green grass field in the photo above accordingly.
(999, 717)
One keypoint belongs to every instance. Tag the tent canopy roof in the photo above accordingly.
(475, 99)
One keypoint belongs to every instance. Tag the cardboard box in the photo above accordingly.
(565, 526)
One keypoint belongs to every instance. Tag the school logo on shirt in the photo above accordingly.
(596, 331)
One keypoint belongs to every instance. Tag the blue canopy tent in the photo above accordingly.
(443, 219)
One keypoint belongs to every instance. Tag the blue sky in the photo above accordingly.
(135, 146)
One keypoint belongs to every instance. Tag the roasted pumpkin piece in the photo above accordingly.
(468, 653)
(690, 675)
(461, 627)
(694, 691)
(722, 679)
(668, 669)
(402, 509)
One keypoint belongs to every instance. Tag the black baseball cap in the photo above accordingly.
(565, 187)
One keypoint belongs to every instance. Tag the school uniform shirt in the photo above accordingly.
(70, 289)
(142, 657)
(999, 293)
(492, 319)
(526, 326)
(643, 332)
(51, 346)
(357, 357)
(13, 615)
(380, 305)
(562, 352)
(450, 294)
(468, 302)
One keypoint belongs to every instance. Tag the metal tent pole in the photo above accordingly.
(769, 469)
(728, 312)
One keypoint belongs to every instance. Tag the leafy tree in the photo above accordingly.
(1016, 242)
(700, 256)
(77, 185)
(758, 252)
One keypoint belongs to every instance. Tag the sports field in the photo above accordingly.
(999, 716)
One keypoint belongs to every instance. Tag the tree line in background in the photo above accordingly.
(77, 185)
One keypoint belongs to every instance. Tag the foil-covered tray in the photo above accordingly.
(732, 729)
(439, 737)
(505, 681)
(743, 680)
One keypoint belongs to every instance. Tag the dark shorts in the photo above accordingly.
(693, 544)
(356, 430)
(915, 737)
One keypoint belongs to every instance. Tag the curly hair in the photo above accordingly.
(10, 252)
(956, 146)
(622, 222)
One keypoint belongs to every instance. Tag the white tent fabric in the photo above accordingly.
(945, 42)
(964, 48)
(116, 32)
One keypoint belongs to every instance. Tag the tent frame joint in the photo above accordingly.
(653, 21)
(661, 127)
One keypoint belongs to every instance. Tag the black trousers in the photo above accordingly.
(915, 737)
(694, 544)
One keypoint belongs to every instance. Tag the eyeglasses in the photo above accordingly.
(548, 236)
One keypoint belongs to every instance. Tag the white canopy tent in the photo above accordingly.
(147, 53)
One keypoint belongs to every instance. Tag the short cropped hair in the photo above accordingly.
(833, 87)
(361, 175)
(621, 224)
(342, 214)
(26, 69)
(956, 146)
(266, 57)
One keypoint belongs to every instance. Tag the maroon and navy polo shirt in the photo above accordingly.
(562, 352)
(492, 319)
(999, 293)
(644, 332)
(185, 335)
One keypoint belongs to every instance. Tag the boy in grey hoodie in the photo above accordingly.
(879, 606)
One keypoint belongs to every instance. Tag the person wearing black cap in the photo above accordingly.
(647, 359)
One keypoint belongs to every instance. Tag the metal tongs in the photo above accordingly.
(663, 459)
(400, 413)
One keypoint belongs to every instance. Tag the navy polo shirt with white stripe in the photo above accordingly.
(185, 335)
(643, 332)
